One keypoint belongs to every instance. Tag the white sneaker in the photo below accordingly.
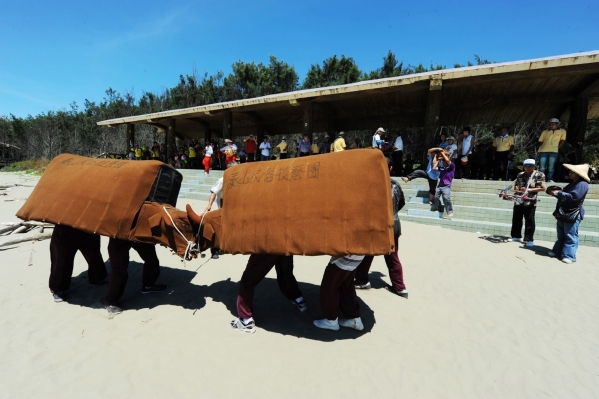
(356, 323)
(301, 305)
(239, 325)
(551, 254)
(327, 324)
(530, 244)
(567, 261)
(363, 286)
(514, 239)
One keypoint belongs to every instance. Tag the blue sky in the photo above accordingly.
(54, 53)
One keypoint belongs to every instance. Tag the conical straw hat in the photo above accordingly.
(580, 170)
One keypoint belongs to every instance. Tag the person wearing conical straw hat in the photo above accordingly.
(569, 212)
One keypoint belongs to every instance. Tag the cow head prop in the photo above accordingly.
(208, 228)
(186, 233)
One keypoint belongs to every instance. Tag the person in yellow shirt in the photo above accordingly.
(156, 153)
(138, 153)
(339, 143)
(282, 148)
(551, 140)
(193, 164)
(315, 148)
(502, 147)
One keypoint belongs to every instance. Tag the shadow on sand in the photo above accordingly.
(272, 311)
(495, 239)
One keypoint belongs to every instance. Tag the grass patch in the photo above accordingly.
(31, 166)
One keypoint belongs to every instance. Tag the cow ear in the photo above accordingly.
(155, 222)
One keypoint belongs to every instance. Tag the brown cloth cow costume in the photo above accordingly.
(336, 204)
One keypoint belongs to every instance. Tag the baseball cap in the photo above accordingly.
(529, 161)
(553, 120)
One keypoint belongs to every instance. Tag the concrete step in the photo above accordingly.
(586, 238)
(542, 219)
(483, 186)
(195, 196)
(490, 200)
(545, 203)
(209, 181)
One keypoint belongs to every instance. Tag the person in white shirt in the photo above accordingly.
(376, 139)
(463, 161)
(265, 150)
(398, 155)
(452, 148)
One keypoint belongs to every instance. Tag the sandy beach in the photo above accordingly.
(485, 319)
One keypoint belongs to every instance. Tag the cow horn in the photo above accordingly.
(194, 217)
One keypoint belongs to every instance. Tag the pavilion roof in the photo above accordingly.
(519, 91)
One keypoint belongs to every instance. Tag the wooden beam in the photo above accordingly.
(228, 125)
(130, 136)
(590, 89)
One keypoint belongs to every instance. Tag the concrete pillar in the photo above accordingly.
(170, 139)
(308, 121)
(432, 115)
(130, 137)
(577, 125)
(228, 125)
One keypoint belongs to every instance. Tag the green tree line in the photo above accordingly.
(73, 129)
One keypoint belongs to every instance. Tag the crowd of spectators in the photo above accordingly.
(483, 161)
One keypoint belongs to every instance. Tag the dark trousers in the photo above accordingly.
(528, 213)
(501, 161)
(464, 170)
(398, 163)
(304, 154)
(337, 291)
(118, 252)
(283, 156)
(257, 268)
(432, 184)
(393, 264)
(64, 244)
(250, 157)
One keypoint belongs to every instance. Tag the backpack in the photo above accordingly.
(399, 199)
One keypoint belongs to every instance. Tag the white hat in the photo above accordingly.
(284, 138)
(228, 141)
(342, 133)
(553, 120)
(451, 138)
(580, 170)
(529, 161)
(380, 129)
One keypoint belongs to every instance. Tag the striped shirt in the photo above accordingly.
(348, 262)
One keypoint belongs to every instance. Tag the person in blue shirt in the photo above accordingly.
(444, 143)
(432, 172)
(569, 200)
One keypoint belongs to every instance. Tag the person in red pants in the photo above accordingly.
(118, 252)
(257, 268)
(64, 244)
(337, 292)
(207, 161)
(397, 286)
